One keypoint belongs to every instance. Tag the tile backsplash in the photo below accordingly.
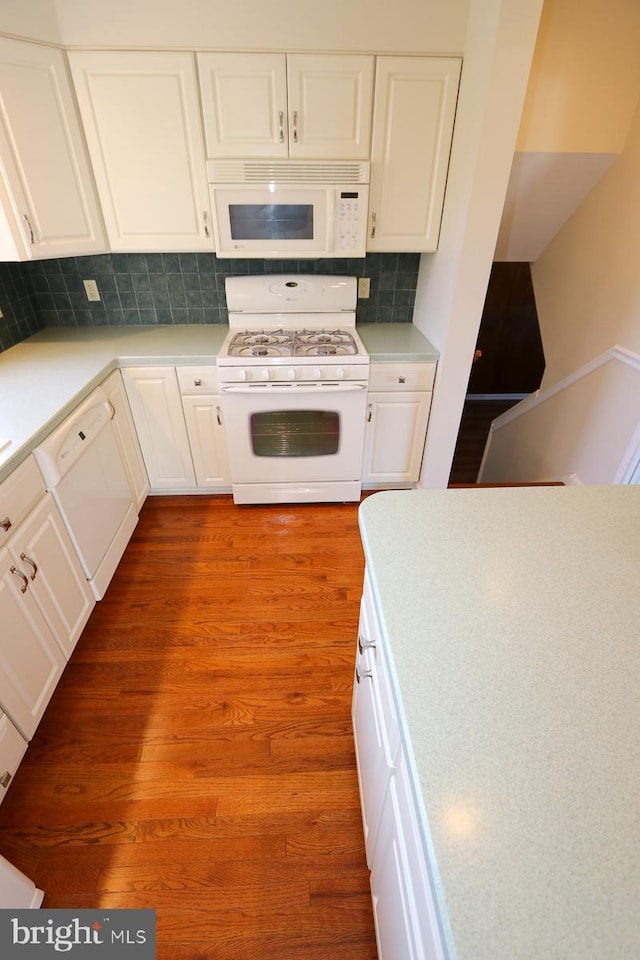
(168, 288)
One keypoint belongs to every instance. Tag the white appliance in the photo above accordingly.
(289, 209)
(16, 890)
(81, 466)
(293, 375)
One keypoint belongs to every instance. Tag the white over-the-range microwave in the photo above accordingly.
(289, 209)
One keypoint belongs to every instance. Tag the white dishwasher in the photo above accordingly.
(81, 466)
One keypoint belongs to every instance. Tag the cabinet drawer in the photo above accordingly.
(198, 379)
(401, 376)
(19, 493)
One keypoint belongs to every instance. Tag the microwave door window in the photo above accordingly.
(271, 221)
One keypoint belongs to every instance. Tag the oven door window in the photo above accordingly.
(271, 221)
(295, 433)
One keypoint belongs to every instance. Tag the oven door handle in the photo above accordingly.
(297, 390)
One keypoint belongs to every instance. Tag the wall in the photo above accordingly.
(587, 289)
(452, 284)
(175, 288)
(435, 26)
(19, 312)
(586, 282)
(584, 79)
(582, 92)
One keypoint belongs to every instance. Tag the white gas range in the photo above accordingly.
(294, 375)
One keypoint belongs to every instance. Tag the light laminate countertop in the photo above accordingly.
(44, 377)
(513, 621)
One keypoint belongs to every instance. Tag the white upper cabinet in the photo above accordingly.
(48, 201)
(415, 102)
(141, 117)
(311, 106)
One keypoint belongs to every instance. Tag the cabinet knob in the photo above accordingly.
(363, 674)
(6, 523)
(18, 573)
(365, 644)
(32, 564)
(402, 379)
(197, 383)
(5, 779)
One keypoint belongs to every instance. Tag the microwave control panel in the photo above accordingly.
(351, 219)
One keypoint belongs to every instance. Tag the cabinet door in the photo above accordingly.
(142, 122)
(50, 202)
(330, 106)
(43, 551)
(207, 440)
(414, 108)
(376, 733)
(157, 413)
(31, 662)
(244, 104)
(394, 437)
(12, 750)
(127, 439)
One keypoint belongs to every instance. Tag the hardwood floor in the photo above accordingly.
(197, 755)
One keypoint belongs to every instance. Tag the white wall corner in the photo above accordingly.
(452, 283)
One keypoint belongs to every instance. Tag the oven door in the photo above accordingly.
(295, 433)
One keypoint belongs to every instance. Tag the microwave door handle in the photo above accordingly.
(296, 391)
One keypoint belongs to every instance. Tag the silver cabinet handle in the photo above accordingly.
(205, 218)
(373, 225)
(281, 123)
(32, 563)
(18, 573)
(295, 126)
(112, 409)
(5, 779)
(218, 418)
(6, 523)
(365, 644)
(32, 238)
(370, 409)
(362, 674)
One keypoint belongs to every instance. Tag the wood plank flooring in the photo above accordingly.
(197, 755)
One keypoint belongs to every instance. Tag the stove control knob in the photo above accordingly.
(316, 373)
(339, 373)
(264, 373)
(291, 373)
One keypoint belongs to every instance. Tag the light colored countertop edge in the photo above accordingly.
(529, 805)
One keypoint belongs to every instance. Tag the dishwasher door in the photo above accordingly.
(81, 465)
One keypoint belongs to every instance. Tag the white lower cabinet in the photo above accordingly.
(205, 427)
(43, 553)
(45, 600)
(154, 398)
(31, 661)
(399, 401)
(13, 747)
(127, 439)
(403, 904)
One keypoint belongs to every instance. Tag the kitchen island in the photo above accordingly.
(510, 621)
